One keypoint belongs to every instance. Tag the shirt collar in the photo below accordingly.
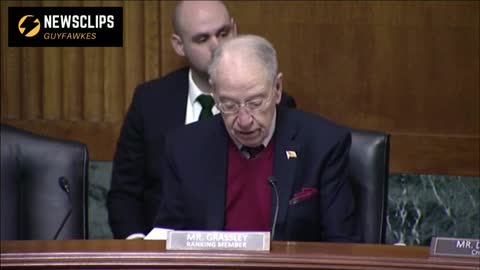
(193, 90)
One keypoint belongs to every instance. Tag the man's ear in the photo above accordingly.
(177, 44)
(278, 87)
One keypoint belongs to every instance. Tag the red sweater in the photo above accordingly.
(249, 197)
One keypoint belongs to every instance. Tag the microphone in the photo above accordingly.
(65, 186)
(273, 182)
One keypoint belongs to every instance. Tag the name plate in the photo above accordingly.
(218, 240)
(462, 247)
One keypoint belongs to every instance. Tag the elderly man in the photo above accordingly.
(179, 98)
(218, 179)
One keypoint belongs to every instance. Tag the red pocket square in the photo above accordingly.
(304, 194)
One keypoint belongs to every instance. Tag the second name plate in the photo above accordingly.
(218, 240)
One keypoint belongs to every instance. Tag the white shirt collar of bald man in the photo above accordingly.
(193, 106)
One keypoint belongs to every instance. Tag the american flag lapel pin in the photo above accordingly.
(291, 154)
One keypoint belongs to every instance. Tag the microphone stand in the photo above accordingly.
(65, 185)
(273, 182)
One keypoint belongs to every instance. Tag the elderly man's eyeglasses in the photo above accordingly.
(254, 105)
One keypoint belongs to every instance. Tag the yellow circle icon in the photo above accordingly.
(29, 26)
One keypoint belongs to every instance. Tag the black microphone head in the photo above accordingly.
(64, 184)
(271, 180)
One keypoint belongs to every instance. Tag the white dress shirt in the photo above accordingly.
(193, 106)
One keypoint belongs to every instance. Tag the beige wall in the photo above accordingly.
(410, 68)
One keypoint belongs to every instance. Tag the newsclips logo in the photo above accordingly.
(65, 26)
(29, 26)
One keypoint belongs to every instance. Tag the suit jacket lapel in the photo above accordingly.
(283, 167)
(215, 164)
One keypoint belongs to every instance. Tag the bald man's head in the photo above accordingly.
(200, 26)
(188, 12)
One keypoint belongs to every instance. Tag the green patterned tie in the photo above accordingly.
(207, 103)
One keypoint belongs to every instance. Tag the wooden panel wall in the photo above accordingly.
(410, 68)
(80, 93)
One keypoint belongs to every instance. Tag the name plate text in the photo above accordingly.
(218, 240)
(461, 247)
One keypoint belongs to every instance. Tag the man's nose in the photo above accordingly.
(214, 42)
(244, 119)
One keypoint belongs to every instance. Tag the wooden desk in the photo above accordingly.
(139, 254)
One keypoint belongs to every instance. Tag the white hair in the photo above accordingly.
(252, 47)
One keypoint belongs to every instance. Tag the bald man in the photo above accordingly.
(159, 106)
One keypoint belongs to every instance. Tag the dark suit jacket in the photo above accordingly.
(157, 107)
(195, 175)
